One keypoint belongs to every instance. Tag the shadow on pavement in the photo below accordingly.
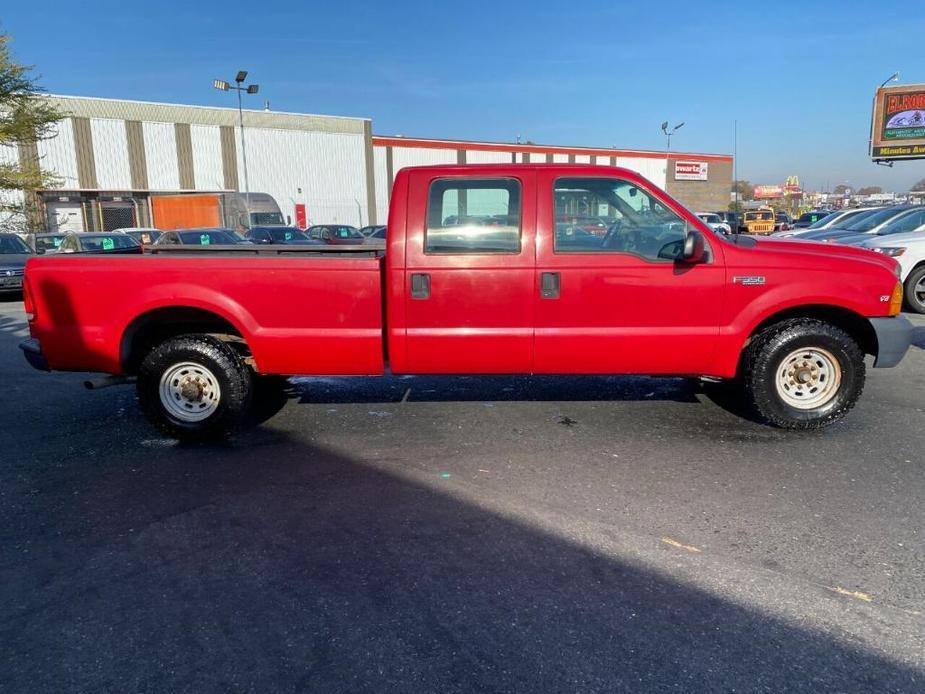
(276, 566)
(918, 337)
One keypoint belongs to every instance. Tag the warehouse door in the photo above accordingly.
(64, 216)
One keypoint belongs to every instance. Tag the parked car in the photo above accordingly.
(782, 221)
(828, 221)
(14, 252)
(867, 224)
(46, 243)
(336, 234)
(788, 323)
(146, 236)
(715, 222)
(283, 235)
(372, 229)
(98, 242)
(912, 220)
(733, 219)
(376, 237)
(809, 218)
(199, 237)
(908, 250)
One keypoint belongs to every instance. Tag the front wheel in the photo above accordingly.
(802, 374)
(915, 290)
(194, 387)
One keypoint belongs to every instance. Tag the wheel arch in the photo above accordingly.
(158, 324)
(853, 323)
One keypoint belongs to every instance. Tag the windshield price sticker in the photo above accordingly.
(108, 244)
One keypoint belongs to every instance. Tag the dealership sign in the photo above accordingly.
(691, 170)
(768, 192)
(897, 128)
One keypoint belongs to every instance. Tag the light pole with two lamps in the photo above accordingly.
(238, 86)
(668, 133)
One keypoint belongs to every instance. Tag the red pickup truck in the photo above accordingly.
(482, 274)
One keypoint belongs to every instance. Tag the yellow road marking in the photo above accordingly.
(852, 593)
(675, 543)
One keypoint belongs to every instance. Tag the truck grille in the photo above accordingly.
(11, 271)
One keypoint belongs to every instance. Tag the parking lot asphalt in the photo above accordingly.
(461, 535)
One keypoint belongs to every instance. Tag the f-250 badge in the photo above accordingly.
(749, 280)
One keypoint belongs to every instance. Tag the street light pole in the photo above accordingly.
(239, 87)
(668, 134)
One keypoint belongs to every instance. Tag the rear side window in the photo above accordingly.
(472, 215)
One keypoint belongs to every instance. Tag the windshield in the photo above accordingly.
(266, 219)
(107, 243)
(43, 244)
(820, 221)
(911, 221)
(345, 233)
(148, 236)
(710, 218)
(284, 234)
(759, 216)
(206, 238)
(868, 222)
(13, 244)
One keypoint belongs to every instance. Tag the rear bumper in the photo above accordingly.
(33, 353)
(894, 336)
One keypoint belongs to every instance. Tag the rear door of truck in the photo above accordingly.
(469, 271)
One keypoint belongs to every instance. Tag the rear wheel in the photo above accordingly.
(914, 290)
(194, 387)
(802, 374)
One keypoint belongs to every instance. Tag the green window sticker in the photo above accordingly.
(108, 244)
(57, 242)
(289, 236)
(204, 239)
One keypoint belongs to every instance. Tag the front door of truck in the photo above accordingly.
(612, 295)
(469, 272)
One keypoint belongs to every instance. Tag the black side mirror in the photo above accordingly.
(694, 247)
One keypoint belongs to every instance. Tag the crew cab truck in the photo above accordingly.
(208, 334)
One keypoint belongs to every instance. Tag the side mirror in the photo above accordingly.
(694, 247)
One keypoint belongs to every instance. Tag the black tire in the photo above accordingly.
(233, 377)
(913, 303)
(269, 395)
(764, 359)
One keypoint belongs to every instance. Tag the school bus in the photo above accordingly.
(760, 221)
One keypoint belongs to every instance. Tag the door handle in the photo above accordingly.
(549, 285)
(420, 285)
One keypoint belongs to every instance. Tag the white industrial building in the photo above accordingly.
(111, 156)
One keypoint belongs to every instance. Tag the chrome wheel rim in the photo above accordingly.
(808, 378)
(190, 392)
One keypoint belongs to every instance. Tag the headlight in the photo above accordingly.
(892, 251)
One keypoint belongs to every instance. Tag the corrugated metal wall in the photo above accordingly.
(207, 157)
(59, 154)
(110, 152)
(161, 156)
(328, 167)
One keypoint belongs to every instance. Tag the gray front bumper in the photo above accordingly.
(894, 336)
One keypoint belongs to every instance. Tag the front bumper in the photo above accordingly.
(894, 336)
(33, 353)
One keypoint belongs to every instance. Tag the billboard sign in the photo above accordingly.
(691, 170)
(897, 128)
(768, 192)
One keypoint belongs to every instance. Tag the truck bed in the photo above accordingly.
(294, 307)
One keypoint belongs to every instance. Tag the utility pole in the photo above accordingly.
(668, 134)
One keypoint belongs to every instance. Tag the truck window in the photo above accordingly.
(468, 215)
(633, 221)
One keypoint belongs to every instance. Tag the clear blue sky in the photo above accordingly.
(798, 76)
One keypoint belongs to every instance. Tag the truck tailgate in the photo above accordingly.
(299, 315)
